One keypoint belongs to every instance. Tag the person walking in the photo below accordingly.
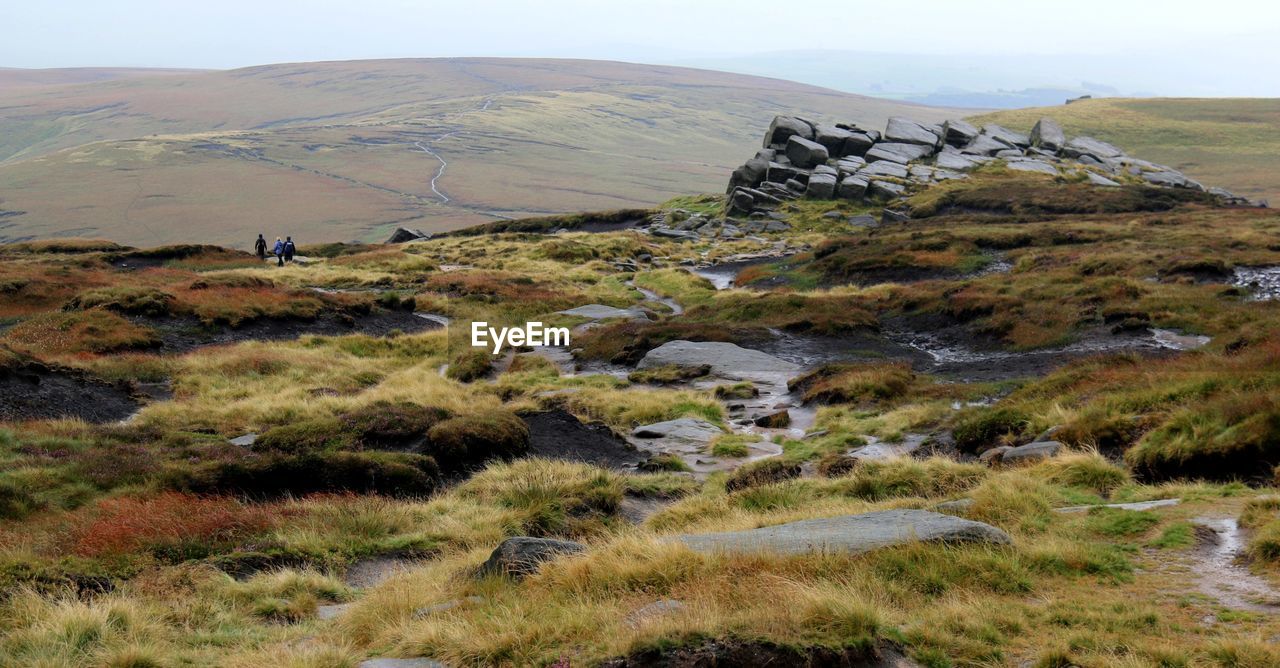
(278, 251)
(289, 249)
(260, 247)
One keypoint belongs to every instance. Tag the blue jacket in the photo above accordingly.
(279, 249)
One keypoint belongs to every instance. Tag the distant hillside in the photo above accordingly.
(1231, 142)
(11, 78)
(343, 150)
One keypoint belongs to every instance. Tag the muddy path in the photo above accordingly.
(1221, 572)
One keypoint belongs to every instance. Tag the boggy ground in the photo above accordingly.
(159, 541)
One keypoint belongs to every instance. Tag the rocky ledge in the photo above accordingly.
(801, 158)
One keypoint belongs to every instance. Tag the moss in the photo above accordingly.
(128, 300)
(307, 436)
(979, 428)
(385, 425)
(763, 472)
(467, 442)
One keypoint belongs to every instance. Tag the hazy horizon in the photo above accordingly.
(1141, 48)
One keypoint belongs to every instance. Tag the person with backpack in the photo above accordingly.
(260, 247)
(289, 249)
(278, 251)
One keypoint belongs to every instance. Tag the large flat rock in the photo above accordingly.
(851, 534)
(602, 312)
(681, 429)
(727, 360)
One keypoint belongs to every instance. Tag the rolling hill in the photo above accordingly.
(349, 150)
(1228, 142)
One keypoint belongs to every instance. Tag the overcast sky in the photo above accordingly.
(236, 33)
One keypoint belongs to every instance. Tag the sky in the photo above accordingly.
(1229, 35)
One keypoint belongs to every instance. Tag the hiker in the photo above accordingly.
(278, 251)
(288, 249)
(260, 247)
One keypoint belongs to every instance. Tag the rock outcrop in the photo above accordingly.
(805, 159)
(522, 555)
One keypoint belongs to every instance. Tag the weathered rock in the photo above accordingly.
(1099, 180)
(741, 202)
(776, 420)
(673, 234)
(1006, 136)
(858, 143)
(1168, 179)
(832, 138)
(244, 441)
(804, 153)
(726, 359)
(958, 132)
(852, 187)
(1081, 146)
(863, 220)
(405, 235)
(1031, 452)
(884, 168)
(984, 145)
(949, 160)
(784, 127)
(522, 555)
(899, 153)
(821, 186)
(906, 131)
(891, 217)
(750, 174)
(993, 456)
(1048, 135)
(1009, 153)
(886, 189)
(1037, 166)
(849, 166)
(850, 534)
(602, 312)
(780, 173)
(683, 429)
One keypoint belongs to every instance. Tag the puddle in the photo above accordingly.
(434, 317)
(1220, 573)
(723, 274)
(1172, 340)
(1263, 283)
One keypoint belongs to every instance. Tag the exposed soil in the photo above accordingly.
(35, 391)
(187, 333)
(762, 654)
(373, 571)
(558, 434)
